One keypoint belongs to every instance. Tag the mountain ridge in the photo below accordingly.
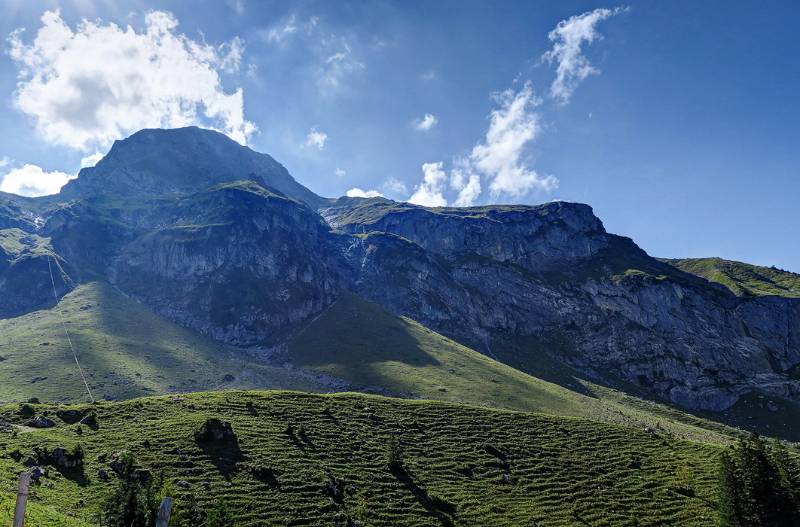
(235, 259)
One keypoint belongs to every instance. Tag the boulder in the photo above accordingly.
(70, 416)
(36, 474)
(215, 430)
(63, 459)
(90, 420)
(41, 422)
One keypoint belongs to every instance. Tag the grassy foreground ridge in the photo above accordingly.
(461, 465)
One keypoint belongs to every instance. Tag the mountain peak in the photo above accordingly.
(167, 161)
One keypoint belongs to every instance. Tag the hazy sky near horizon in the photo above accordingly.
(676, 121)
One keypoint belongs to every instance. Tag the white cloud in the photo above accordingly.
(395, 186)
(356, 192)
(230, 54)
(339, 172)
(285, 29)
(498, 159)
(334, 56)
(91, 160)
(32, 180)
(337, 65)
(429, 193)
(568, 37)
(468, 186)
(316, 139)
(88, 86)
(5, 161)
(427, 122)
(512, 127)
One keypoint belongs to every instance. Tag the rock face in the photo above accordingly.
(26, 261)
(493, 276)
(236, 262)
(222, 240)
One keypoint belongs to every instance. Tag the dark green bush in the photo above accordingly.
(758, 486)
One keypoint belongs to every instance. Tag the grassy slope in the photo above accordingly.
(359, 341)
(125, 349)
(362, 343)
(563, 471)
(38, 515)
(741, 278)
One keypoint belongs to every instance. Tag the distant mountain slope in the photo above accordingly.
(741, 278)
(126, 351)
(311, 460)
(500, 278)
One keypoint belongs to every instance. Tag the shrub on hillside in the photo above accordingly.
(219, 516)
(394, 454)
(759, 486)
(135, 499)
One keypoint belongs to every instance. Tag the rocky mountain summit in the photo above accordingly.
(224, 241)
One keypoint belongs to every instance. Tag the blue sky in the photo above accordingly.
(677, 121)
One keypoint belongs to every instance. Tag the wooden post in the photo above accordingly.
(22, 499)
(163, 512)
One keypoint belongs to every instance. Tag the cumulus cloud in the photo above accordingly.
(468, 186)
(512, 127)
(356, 192)
(88, 86)
(91, 160)
(430, 192)
(498, 160)
(395, 186)
(427, 122)
(230, 54)
(32, 181)
(5, 161)
(316, 139)
(568, 38)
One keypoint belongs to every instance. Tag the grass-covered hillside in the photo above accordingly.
(128, 351)
(374, 350)
(371, 348)
(300, 459)
(741, 278)
(125, 349)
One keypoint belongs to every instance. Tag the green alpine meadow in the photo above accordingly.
(399, 264)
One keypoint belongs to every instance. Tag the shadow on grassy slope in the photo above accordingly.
(366, 345)
(126, 350)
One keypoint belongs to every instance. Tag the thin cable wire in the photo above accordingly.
(66, 332)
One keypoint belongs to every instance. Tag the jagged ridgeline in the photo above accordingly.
(185, 262)
(221, 240)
